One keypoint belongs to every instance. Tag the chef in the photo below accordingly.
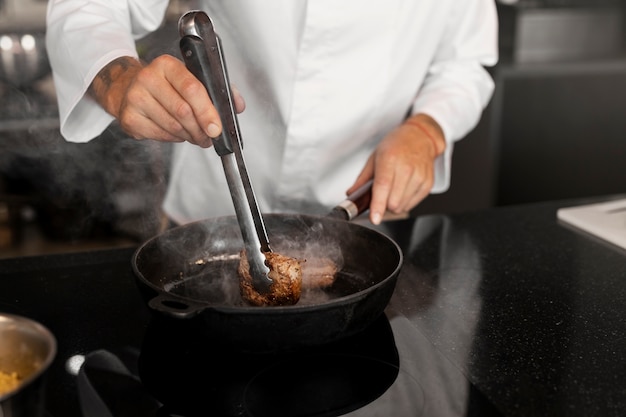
(335, 94)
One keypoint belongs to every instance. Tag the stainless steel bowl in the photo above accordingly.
(23, 58)
(27, 348)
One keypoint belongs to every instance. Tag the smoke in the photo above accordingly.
(199, 260)
(112, 184)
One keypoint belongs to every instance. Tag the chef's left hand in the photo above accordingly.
(402, 167)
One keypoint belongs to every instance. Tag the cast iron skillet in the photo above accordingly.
(189, 273)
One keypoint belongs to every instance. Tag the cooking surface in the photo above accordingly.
(502, 312)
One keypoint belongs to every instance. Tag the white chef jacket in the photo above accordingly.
(323, 80)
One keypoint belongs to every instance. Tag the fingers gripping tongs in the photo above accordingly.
(202, 52)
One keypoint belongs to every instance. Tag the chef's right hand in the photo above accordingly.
(161, 100)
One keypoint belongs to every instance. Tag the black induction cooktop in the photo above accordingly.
(180, 371)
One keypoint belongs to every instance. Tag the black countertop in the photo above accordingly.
(502, 312)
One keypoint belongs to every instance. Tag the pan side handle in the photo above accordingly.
(174, 307)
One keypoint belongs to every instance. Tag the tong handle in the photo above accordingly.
(203, 57)
(202, 52)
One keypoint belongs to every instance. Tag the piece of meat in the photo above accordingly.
(286, 273)
(318, 273)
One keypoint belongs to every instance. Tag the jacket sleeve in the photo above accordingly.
(457, 87)
(82, 36)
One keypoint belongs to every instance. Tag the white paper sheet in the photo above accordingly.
(605, 220)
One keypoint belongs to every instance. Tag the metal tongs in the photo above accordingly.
(202, 52)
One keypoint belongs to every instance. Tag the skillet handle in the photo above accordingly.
(357, 203)
(175, 308)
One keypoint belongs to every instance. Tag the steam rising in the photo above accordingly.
(112, 181)
(112, 184)
(199, 261)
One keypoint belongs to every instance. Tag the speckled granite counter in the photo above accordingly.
(531, 311)
(503, 312)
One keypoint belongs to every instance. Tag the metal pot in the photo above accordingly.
(23, 58)
(189, 272)
(26, 348)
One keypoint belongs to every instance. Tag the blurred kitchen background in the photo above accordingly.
(555, 129)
